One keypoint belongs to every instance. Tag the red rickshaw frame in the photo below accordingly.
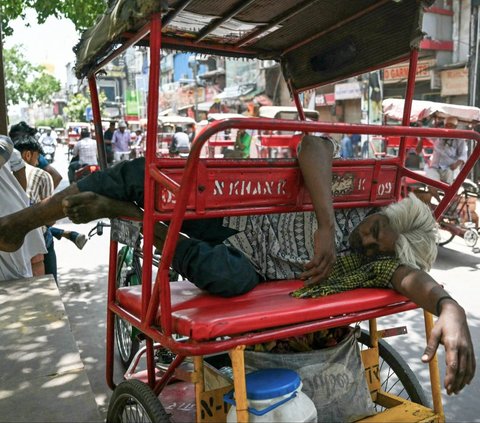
(150, 301)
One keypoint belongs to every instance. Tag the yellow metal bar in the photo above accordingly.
(434, 372)
(372, 327)
(240, 386)
(199, 384)
(406, 412)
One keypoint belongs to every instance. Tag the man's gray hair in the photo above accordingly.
(417, 232)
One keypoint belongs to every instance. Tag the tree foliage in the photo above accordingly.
(77, 105)
(81, 12)
(26, 82)
(56, 122)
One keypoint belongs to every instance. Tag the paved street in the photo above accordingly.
(83, 279)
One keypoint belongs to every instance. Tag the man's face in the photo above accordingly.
(122, 128)
(450, 125)
(31, 157)
(374, 236)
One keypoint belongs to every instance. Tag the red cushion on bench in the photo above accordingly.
(201, 316)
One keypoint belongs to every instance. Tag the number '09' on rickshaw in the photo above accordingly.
(316, 43)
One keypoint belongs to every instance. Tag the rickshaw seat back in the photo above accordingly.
(202, 316)
(280, 141)
(240, 187)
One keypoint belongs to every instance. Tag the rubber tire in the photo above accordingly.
(470, 237)
(126, 357)
(391, 358)
(134, 391)
(447, 239)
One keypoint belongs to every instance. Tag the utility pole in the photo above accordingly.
(3, 97)
(474, 70)
(193, 64)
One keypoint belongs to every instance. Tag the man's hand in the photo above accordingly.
(452, 331)
(323, 259)
(456, 164)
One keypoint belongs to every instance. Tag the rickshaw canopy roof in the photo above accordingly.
(219, 116)
(316, 41)
(393, 109)
(176, 120)
(274, 111)
(79, 124)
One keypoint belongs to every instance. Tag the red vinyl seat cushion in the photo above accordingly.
(202, 316)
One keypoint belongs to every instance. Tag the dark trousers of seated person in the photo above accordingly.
(203, 258)
(72, 168)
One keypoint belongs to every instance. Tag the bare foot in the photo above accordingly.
(86, 206)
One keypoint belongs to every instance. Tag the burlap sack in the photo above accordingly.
(334, 378)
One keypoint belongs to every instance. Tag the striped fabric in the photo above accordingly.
(39, 184)
(279, 245)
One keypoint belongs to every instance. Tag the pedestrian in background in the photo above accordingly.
(448, 157)
(107, 138)
(346, 148)
(121, 142)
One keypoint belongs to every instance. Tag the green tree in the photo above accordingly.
(81, 12)
(77, 104)
(26, 82)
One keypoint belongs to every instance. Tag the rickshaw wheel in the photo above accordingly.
(396, 376)
(444, 236)
(134, 401)
(125, 336)
(470, 237)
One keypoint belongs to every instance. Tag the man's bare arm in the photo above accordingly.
(450, 329)
(54, 174)
(315, 159)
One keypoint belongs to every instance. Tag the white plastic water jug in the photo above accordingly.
(275, 395)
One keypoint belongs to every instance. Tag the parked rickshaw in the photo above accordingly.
(425, 113)
(222, 142)
(166, 129)
(281, 143)
(316, 42)
(460, 219)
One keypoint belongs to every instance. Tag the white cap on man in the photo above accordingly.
(451, 120)
(122, 124)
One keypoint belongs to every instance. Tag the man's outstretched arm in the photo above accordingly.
(315, 159)
(80, 207)
(450, 329)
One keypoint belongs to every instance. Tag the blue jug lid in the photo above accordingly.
(270, 383)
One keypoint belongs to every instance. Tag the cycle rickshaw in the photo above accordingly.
(460, 219)
(316, 42)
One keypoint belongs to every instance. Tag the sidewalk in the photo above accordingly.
(42, 378)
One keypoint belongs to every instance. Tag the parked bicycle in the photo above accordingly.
(129, 273)
(460, 219)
